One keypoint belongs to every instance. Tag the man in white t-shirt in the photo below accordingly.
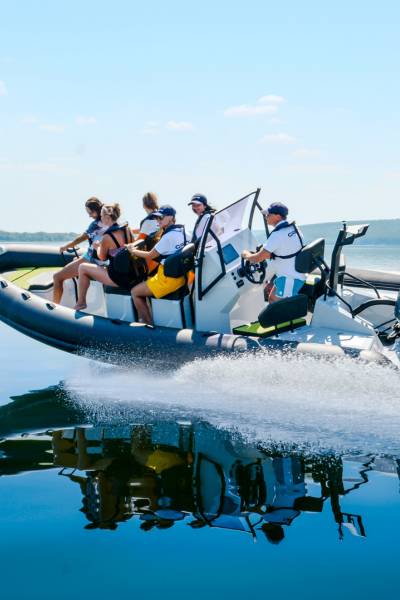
(281, 248)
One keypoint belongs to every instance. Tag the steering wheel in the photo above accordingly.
(253, 272)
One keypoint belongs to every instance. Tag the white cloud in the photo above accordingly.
(53, 128)
(81, 120)
(392, 174)
(305, 153)
(271, 99)
(29, 120)
(151, 128)
(248, 110)
(278, 138)
(179, 126)
(3, 89)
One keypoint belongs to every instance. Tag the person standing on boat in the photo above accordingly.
(92, 234)
(203, 210)
(282, 246)
(159, 285)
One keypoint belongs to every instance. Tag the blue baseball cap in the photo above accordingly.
(165, 211)
(198, 199)
(276, 208)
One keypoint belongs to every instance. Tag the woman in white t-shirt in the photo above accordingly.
(203, 210)
(149, 225)
(158, 286)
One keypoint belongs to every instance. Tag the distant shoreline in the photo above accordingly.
(39, 236)
(381, 231)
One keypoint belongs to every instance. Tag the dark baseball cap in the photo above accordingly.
(198, 199)
(165, 211)
(277, 208)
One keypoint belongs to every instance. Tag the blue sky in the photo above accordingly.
(115, 99)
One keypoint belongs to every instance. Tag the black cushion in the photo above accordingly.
(305, 260)
(283, 310)
(115, 291)
(181, 262)
(178, 294)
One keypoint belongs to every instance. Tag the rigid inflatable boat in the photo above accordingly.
(337, 312)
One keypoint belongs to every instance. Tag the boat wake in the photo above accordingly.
(334, 405)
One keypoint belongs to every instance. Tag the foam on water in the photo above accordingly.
(336, 404)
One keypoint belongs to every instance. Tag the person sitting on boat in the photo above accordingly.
(158, 286)
(115, 237)
(203, 210)
(92, 234)
(282, 246)
(149, 225)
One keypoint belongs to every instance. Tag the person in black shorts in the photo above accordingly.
(114, 238)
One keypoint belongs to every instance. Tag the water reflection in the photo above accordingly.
(166, 473)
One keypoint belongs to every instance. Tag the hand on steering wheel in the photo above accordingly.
(250, 271)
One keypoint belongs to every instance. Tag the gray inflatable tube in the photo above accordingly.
(108, 339)
(120, 342)
(14, 256)
(117, 341)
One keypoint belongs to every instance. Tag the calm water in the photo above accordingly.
(253, 477)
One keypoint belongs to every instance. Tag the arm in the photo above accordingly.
(103, 248)
(152, 254)
(78, 240)
(257, 256)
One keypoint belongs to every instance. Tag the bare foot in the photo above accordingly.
(80, 306)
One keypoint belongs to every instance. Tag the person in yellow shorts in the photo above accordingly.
(158, 286)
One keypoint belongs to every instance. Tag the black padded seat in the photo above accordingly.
(280, 316)
(255, 329)
(115, 291)
(281, 311)
(178, 294)
(313, 288)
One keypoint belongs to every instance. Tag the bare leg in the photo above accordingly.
(87, 272)
(68, 272)
(139, 294)
(272, 295)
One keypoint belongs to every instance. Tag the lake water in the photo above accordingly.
(224, 478)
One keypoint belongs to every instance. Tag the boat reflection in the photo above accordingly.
(169, 472)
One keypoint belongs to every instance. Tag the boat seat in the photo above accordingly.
(173, 310)
(313, 288)
(119, 304)
(115, 291)
(277, 317)
(256, 330)
(178, 294)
